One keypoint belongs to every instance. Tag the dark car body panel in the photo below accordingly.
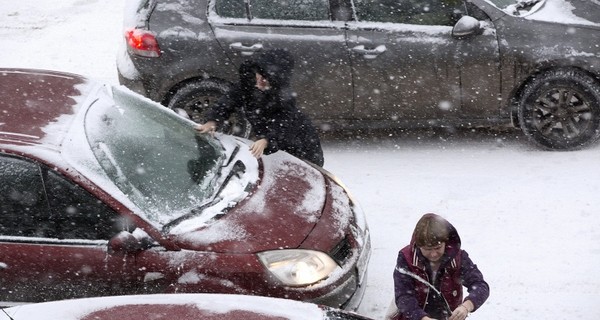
(557, 48)
(424, 76)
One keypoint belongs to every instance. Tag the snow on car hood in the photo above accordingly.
(568, 12)
(576, 12)
(279, 212)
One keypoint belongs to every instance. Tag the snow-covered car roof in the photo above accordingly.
(175, 306)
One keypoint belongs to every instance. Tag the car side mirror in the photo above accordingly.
(466, 26)
(124, 242)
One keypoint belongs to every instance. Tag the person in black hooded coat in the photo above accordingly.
(265, 96)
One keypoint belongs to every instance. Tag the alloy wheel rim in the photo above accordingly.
(562, 113)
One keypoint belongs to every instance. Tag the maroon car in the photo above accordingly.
(104, 192)
(177, 306)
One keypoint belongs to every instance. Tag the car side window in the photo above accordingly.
(77, 213)
(38, 202)
(312, 10)
(230, 8)
(23, 206)
(308, 10)
(422, 12)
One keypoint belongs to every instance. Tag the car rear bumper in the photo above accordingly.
(136, 86)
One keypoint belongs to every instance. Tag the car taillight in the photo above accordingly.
(142, 43)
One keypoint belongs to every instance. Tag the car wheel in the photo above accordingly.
(195, 98)
(560, 109)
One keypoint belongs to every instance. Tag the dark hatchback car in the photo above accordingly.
(384, 63)
(177, 306)
(105, 192)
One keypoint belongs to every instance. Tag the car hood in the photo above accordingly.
(576, 12)
(280, 211)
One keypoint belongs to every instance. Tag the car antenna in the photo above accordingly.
(6, 313)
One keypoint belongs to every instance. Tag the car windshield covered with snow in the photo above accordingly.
(158, 161)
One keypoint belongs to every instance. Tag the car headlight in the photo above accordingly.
(298, 267)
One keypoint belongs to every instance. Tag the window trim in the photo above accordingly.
(41, 240)
(249, 20)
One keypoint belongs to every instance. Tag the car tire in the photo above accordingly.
(560, 109)
(196, 97)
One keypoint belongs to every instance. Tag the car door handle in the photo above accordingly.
(246, 50)
(370, 53)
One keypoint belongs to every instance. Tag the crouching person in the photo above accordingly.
(430, 274)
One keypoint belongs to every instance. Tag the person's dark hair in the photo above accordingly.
(431, 230)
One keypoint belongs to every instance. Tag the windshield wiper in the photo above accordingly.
(232, 156)
(238, 168)
(196, 211)
(6, 313)
(525, 5)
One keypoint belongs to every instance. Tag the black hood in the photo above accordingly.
(276, 65)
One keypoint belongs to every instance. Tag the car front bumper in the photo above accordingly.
(349, 294)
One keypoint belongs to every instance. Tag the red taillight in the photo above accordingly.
(142, 43)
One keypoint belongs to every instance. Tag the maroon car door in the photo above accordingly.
(37, 269)
(53, 238)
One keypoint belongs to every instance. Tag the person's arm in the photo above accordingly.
(462, 311)
(405, 294)
(226, 105)
(285, 131)
(478, 289)
(473, 280)
(258, 147)
(207, 127)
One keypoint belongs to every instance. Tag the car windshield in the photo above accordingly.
(152, 155)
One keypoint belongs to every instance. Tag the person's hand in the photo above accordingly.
(208, 127)
(258, 147)
(427, 318)
(460, 313)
